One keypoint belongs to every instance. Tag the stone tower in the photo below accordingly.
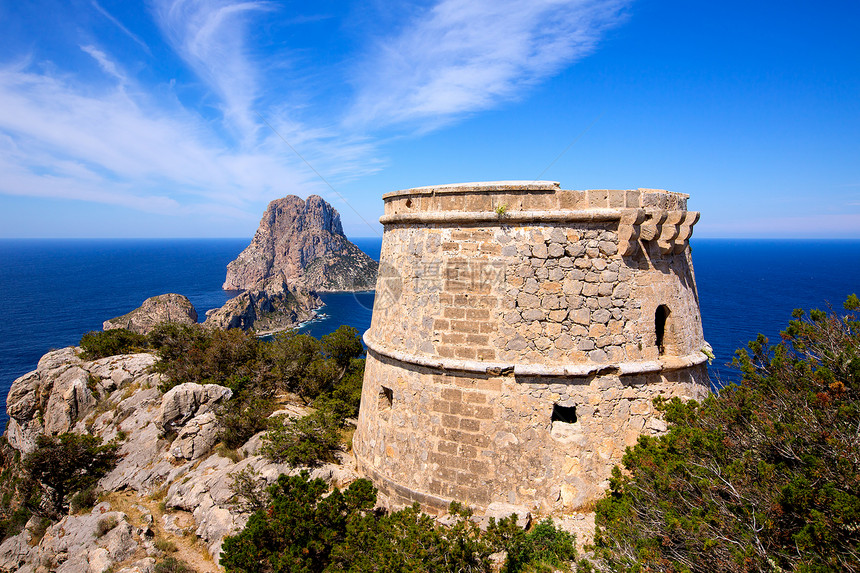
(519, 335)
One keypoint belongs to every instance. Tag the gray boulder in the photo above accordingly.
(196, 438)
(183, 402)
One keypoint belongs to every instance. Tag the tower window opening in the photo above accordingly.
(565, 414)
(386, 398)
(661, 316)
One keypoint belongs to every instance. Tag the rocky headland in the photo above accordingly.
(304, 240)
(270, 305)
(171, 488)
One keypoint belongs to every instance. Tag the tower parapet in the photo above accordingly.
(519, 335)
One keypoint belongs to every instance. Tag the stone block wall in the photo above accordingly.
(520, 333)
(483, 438)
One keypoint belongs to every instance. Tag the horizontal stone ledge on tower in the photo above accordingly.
(507, 186)
(578, 215)
(664, 364)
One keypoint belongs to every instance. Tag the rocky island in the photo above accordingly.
(298, 250)
(169, 307)
(304, 240)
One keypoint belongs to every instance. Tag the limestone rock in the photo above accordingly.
(196, 438)
(268, 306)
(154, 310)
(183, 402)
(305, 241)
(131, 409)
(64, 389)
(72, 545)
(70, 399)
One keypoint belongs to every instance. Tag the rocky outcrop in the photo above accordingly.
(166, 454)
(304, 240)
(270, 305)
(78, 543)
(185, 401)
(63, 390)
(154, 310)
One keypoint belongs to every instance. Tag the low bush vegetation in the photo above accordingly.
(305, 528)
(97, 344)
(64, 465)
(325, 373)
(84, 500)
(307, 441)
(172, 565)
(16, 489)
(764, 476)
(105, 524)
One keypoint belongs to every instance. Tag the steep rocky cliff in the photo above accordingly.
(305, 241)
(170, 486)
(268, 305)
(162, 308)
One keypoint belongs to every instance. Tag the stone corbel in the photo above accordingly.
(669, 230)
(650, 229)
(628, 231)
(685, 231)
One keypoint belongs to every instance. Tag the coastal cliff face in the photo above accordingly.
(269, 305)
(169, 307)
(304, 240)
(170, 485)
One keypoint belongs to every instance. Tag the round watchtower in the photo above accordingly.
(520, 333)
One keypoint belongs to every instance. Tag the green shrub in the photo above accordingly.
(243, 416)
(250, 492)
(18, 493)
(66, 464)
(97, 344)
(544, 549)
(105, 524)
(231, 454)
(192, 353)
(165, 546)
(409, 541)
(344, 398)
(84, 500)
(303, 528)
(172, 565)
(764, 476)
(307, 441)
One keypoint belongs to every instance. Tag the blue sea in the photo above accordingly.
(53, 291)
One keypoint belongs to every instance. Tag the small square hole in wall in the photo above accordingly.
(386, 398)
(565, 414)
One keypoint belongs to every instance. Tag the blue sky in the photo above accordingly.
(183, 118)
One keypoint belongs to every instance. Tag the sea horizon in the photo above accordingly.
(57, 289)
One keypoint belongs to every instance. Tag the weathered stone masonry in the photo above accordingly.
(519, 335)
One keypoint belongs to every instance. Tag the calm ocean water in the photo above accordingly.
(53, 291)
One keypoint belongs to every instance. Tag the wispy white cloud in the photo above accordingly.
(211, 36)
(120, 25)
(108, 65)
(64, 141)
(466, 56)
(140, 146)
(121, 144)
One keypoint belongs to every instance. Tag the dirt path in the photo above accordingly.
(182, 545)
